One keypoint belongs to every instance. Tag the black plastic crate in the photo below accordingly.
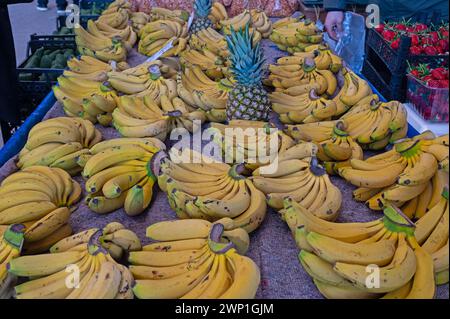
(35, 87)
(395, 59)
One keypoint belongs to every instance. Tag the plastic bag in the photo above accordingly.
(351, 43)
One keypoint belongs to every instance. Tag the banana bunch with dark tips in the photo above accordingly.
(336, 255)
(59, 142)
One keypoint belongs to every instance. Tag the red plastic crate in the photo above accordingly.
(431, 103)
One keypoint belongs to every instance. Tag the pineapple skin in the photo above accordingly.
(248, 103)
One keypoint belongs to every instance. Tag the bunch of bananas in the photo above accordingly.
(261, 23)
(249, 142)
(103, 30)
(100, 277)
(115, 238)
(295, 35)
(353, 91)
(120, 174)
(305, 108)
(86, 67)
(407, 175)
(218, 13)
(194, 259)
(214, 66)
(41, 198)
(116, 5)
(102, 48)
(286, 78)
(140, 117)
(59, 142)
(302, 179)
(211, 40)
(337, 255)
(321, 54)
(198, 90)
(157, 34)
(116, 15)
(88, 99)
(139, 20)
(375, 124)
(179, 16)
(11, 242)
(219, 191)
(145, 80)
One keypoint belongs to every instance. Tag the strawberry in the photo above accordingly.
(434, 37)
(379, 28)
(430, 50)
(439, 73)
(395, 44)
(426, 41)
(415, 39)
(443, 44)
(388, 35)
(415, 73)
(400, 27)
(435, 84)
(420, 27)
(415, 50)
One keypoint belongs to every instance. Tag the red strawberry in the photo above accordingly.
(435, 84)
(395, 44)
(434, 37)
(400, 26)
(439, 73)
(388, 35)
(415, 39)
(430, 50)
(415, 73)
(415, 50)
(444, 83)
(428, 78)
(420, 27)
(443, 44)
(426, 41)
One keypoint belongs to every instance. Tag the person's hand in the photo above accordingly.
(333, 23)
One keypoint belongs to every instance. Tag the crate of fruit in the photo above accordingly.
(47, 57)
(427, 91)
(423, 43)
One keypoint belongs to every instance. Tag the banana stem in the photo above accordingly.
(14, 235)
(94, 244)
(214, 240)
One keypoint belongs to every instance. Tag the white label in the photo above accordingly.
(113, 65)
(163, 50)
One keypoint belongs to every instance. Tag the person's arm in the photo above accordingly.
(335, 16)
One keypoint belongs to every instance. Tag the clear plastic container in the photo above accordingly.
(431, 103)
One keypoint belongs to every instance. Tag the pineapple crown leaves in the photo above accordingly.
(202, 8)
(246, 58)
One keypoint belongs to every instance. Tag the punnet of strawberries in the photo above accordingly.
(428, 91)
(425, 39)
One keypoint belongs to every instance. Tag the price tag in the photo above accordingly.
(113, 65)
(163, 50)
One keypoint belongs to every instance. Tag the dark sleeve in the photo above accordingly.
(6, 2)
(334, 5)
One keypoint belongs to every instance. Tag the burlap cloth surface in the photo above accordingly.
(272, 245)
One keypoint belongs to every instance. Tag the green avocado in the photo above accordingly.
(46, 62)
(33, 62)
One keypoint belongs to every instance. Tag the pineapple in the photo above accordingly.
(202, 8)
(248, 100)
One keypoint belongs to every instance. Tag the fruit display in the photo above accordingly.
(219, 191)
(301, 179)
(218, 13)
(194, 259)
(59, 142)
(425, 39)
(88, 99)
(338, 149)
(179, 16)
(202, 10)
(337, 255)
(427, 90)
(41, 198)
(409, 175)
(104, 49)
(141, 117)
(248, 99)
(86, 67)
(214, 66)
(11, 242)
(254, 143)
(211, 40)
(156, 35)
(295, 35)
(139, 20)
(100, 276)
(104, 31)
(287, 77)
(196, 89)
(44, 58)
(146, 79)
(261, 23)
(115, 238)
(120, 173)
